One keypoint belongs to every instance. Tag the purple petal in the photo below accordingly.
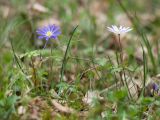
(155, 86)
(40, 37)
(53, 37)
(57, 33)
(52, 28)
(47, 38)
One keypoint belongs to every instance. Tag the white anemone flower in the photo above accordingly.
(119, 30)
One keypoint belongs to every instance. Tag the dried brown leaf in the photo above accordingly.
(61, 108)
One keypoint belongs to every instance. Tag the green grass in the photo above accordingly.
(84, 60)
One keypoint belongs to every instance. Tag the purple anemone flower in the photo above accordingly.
(48, 32)
(155, 86)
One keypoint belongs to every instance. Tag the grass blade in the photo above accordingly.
(65, 55)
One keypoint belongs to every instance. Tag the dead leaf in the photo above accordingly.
(5, 11)
(37, 7)
(21, 110)
(90, 96)
(36, 107)
(61, 108)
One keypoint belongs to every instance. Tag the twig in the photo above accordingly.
(92, 68)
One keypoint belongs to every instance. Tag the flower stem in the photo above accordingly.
(43, 49)
(120, 46)
(45, 44)
(123, 71)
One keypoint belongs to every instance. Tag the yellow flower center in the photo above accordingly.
(49, 34)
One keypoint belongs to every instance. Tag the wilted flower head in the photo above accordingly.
(119, 30)
(48, 32)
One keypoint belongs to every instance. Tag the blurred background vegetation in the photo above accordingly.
(24, 77)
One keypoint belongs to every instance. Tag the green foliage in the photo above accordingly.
(7, 106)
(82, 60)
